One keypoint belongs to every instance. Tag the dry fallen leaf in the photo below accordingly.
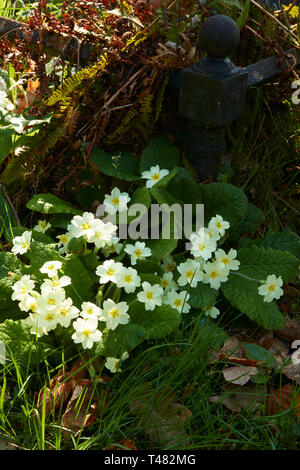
(291, 330)
(163, 420)
(239, 375)
(124, 444)
(236, 398)
(283, 399)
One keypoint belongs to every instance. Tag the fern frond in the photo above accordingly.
(159, 98)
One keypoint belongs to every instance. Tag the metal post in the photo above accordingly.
(212, 95)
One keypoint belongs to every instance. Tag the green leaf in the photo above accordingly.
(286, 241)
(51, 204)
(140, 196)
(61, 221)
(177, 182)
(160, 151)
(242, 293)
(258, 263)
(257, 353)
(244, 296)
(252, 220)
(81, 289)
(21, 344)
(157, 323)
(123, 338)
(9, 262)
(76, 245)
(202, 296)
(123, 166)
(224, 199)
(161, 248)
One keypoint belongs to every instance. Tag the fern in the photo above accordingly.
(23, 167)
(244, 14)
(124, 127)
(146, 110)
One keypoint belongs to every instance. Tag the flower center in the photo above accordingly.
(271, 288)
(115, 201)
(89, 311)
(170, 267)
(63, 312)
(63, 239)
(201, 246)
(85, 226)
(128, 278)
(225, 260)
(138, 253)
(219, 225)
(164, 283)
(149, 295)
(155, 176)
(189, 274)
(24, 245)
(86, 333)
(114, 312)
(51, 301)
(110, 272)
(214, 274)
(177, 303)
(49, 317)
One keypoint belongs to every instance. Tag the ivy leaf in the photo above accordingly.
(160, 151)
(51, 204)
(157, 323)
(23, 345)
(224, 199)
(123, 166)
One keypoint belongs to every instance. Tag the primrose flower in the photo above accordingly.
(51, 268)
(178, 300)
(154, 175)
(168, 264)
(129, 279)
(114, 247)
(51, 301)
(103, 233)
(151, 295)
(86, 332)
(21, 244)
(138, 251)
(42, 226)
(271, 288)
(219, 224)
(63, 241)
(112, 363)
(202, 245)
(191, 273)
(211, 311)
(82, 226)
(109, 271)
(215, 273)
(22, 288)
(66, 312)
(228, 259)
(167, 282)
(29, 303)
(55, 283)
(114, 314)
(116, 201)
(90, 310)
(5, 103)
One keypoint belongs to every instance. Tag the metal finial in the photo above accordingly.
(219, 35)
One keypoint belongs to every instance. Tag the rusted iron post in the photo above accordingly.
(212, 95)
